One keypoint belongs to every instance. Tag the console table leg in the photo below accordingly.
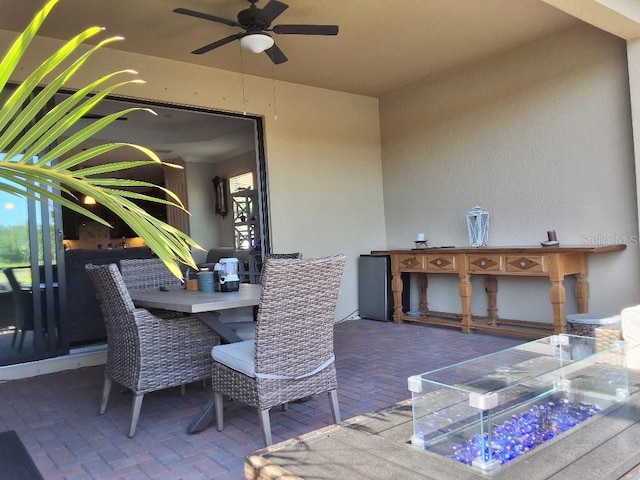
(557, 296)
(582, 292)
(491, 287)
(465, 298)
(396, 288)
(423, 284)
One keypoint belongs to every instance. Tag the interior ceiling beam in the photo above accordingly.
(618, 17)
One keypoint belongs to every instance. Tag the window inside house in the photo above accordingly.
(241, 182)
(245, 212)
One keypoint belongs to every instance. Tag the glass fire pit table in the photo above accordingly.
(493, 409)
(544, 410)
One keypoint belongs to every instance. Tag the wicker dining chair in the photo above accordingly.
(292, 354)
(147, 274)
(147, 353)
(273, 256)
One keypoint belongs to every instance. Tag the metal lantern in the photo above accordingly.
(478, 227)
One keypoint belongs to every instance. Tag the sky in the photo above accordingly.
(13, 210)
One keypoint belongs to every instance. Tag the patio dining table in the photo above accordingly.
(205, 306)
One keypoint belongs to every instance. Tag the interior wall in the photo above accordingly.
(540, 136)
(203, 223)
(218, 232)
(322, 151)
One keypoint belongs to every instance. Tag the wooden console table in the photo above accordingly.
(552, 262)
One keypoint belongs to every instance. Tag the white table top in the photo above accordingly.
(190, 301)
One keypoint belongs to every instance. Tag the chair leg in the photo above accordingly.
(265, 423)
(106, 390)
(183, 389)
(217, 399)
(15, 335)
(335, 407)
(135, 413)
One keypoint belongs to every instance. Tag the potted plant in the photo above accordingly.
(34, 139)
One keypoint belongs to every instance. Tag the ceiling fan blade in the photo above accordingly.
(219, 43)
(273, 9)
(306, 29)
(276, 55)
(206, 16)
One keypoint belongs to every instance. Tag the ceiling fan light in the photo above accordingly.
(256, 42)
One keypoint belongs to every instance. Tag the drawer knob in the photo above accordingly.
(523, 264)
(438, 262)
(483, 263)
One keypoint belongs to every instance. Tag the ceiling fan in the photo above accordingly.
(256, 22)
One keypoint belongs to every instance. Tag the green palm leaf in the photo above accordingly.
(32, 144)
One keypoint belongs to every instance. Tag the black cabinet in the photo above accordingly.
(83, 322)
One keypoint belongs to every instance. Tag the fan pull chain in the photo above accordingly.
(244, 98)
(273, 79)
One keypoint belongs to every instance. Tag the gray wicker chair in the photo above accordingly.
(273, 256)
(292, 355)
(147, 274)
(147, 353)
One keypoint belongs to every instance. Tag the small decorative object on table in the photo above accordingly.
(552, 239)
(420, 241)
(478, 227)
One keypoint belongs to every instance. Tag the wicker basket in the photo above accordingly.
(606, 335)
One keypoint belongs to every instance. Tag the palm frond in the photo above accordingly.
(34, 144)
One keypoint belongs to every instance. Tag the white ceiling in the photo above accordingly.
(382, 46)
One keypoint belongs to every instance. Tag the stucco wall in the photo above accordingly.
(322, 151)
(541, 137)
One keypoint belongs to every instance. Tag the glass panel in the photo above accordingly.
(16, 302)
(29, 303)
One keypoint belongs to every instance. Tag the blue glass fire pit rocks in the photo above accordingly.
(524, 432)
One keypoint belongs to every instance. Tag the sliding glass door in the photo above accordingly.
(30, 290)
(31, 275)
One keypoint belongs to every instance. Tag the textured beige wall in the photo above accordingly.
(541, 137)
(323, 151)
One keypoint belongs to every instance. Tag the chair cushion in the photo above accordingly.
(238, 356)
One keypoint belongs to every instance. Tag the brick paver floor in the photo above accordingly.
(56, 415)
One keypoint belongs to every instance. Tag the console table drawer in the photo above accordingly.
(526, 263)
(441, 263)
(411, 262)
(484, 263)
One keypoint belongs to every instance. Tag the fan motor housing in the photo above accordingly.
(253, 17)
